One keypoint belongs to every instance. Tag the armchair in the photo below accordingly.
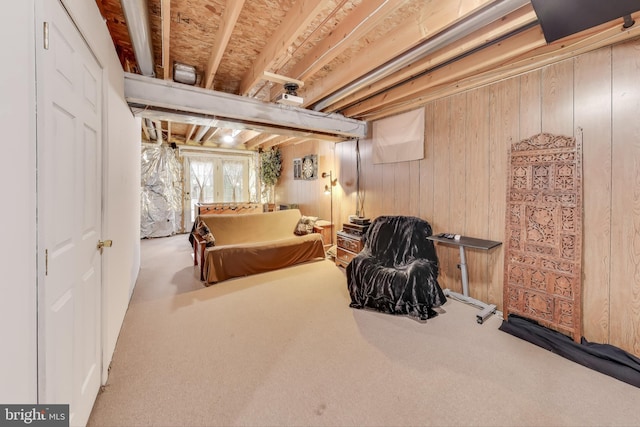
(397, 270)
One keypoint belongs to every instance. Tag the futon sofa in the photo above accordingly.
(254, 243)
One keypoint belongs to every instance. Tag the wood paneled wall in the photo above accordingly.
(460, 185)
(308, 194)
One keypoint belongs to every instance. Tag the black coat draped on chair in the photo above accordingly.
(397, 270)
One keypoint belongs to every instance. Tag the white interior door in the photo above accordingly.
(69, 101)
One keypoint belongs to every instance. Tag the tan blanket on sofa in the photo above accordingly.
(255, 243)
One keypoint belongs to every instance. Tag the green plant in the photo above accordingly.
(270, 166)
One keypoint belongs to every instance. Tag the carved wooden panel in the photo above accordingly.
(543, 248)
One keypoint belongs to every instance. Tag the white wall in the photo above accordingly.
(122, 221)
(18, 358)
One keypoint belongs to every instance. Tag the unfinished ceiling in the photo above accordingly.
(354, 60)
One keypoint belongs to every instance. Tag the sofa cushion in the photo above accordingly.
(305, 225)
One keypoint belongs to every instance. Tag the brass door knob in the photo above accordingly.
(104, 244)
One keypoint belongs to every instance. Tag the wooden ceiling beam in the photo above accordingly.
(145, 131)
(229, 19)
(512, 22)
(294, 24)
(277, 141)
(156, 98)
(260, 139)
(166, 39)
(295, 141)
(360, 21)
(244, 136)
(280, 79)
(412, 31)
(189, 134)
(478, 62)
(208, 136)
(595, 38)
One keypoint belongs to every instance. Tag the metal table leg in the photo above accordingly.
(486, 309)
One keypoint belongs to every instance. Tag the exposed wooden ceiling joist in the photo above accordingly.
(346, 52)
(297, 20)
(259, 140)
(189, 133)
(483, 60)
(363, 19)
(521, 18)
(145, 131)
(229, 19)
(209, 135)
(277, 78)
(407, 34)
(276, 142)
(166, 38)
(546, 54)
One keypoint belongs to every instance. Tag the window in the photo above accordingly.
(218, 179)
(233, 175)
(201, 172)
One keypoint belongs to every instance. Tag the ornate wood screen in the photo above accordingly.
(543, 254)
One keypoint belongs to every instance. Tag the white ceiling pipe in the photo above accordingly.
(136, 14)
(151, 129)
(458, 31)
(201, 131)
(158, 127)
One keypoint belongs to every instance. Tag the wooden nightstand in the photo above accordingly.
(349, 245)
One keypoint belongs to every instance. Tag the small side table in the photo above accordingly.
(348, 246)
(468, 242)
(325, 228)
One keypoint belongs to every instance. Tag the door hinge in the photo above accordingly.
(45, 31)
(46, 262)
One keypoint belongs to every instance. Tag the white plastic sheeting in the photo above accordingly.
(161, 189)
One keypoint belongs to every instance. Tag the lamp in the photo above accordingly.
(328, 189)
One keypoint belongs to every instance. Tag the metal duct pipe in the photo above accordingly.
(158, 129)
(455, 33)
(151, 128)
(136, 13)
(201, 131)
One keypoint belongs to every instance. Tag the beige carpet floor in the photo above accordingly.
(284, 348)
